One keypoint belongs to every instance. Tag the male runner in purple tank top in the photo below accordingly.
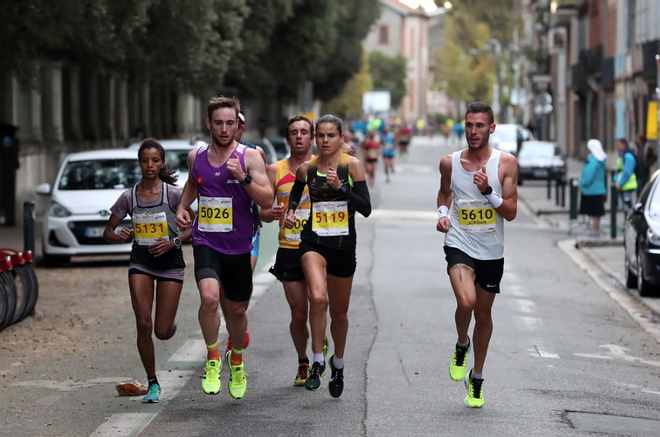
(225, 177)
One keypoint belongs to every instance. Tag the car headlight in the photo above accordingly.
(652, 237)
(57, 210)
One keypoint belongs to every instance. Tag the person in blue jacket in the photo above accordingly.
(625, 179)
(592, 186)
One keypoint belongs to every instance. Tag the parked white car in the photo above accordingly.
(507, 136)
(87, 185)
(176, 154)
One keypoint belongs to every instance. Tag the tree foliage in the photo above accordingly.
(258, 46)
(349, 102)
(463, 69)
(389, 73)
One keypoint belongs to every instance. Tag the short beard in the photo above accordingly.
(216, 141)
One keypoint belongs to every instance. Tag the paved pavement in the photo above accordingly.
(605, 253)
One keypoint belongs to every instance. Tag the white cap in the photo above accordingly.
(241, 117)
(596, 149)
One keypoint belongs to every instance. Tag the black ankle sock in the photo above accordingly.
(152, 381)
(303, 361)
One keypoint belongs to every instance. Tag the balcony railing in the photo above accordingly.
(607, 73)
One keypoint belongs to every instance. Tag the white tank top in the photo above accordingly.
(476, 228)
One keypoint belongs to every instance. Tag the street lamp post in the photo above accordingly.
(497, 91)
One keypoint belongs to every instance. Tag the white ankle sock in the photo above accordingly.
(318, 358)
(337, 363)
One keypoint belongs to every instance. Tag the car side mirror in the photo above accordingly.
(638, 208)
(43, 189)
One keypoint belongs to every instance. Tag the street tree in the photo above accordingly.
(349, 102)
(464, 70)
(389, 72)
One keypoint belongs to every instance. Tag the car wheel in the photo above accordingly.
(631, 278)
(54, 260)
(645, 289)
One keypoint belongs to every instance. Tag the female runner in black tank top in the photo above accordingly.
(337, 189)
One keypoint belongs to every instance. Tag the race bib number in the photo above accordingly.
(372, 154)
(330, 218)
(476, 216)
(147, 227)
(215, 214)
(302, 215)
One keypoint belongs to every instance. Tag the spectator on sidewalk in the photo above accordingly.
(592, 186)
(625, 179)
(646, 158)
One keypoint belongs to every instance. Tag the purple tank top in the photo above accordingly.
(224, 219)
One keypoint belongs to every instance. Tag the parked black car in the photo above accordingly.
(540, 160)
(642, 240)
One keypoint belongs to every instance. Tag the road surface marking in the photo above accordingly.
(124, 424)
(526, 323)
(191, 350)
(615, 351)
(523, 305)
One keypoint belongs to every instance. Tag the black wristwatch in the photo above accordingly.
(488, 191)
(344, 189)
(247, 179)
(177, 242)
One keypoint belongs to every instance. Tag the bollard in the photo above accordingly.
(573, 214)
(614, 196)
(28, 227)
(557, 192)
(563, 191)
(549, 187)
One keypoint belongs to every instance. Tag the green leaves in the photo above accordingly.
(389, 73)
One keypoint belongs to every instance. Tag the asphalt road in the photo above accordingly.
(564, 359)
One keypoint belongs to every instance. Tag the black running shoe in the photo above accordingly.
(336, 384)
(313, 381)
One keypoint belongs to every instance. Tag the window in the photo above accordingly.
(383, 34)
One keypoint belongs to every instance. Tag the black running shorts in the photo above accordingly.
(340, 263)
(488, 273)
(287, 265)
(234, 272)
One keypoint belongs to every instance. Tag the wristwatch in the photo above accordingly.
(247, 179)
(177, 242)
(488, 191)
(344, 189)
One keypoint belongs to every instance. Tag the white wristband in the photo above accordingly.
(443, 211)
(495, 199)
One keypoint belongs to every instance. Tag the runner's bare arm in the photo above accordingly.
(111, 236)
(259, 189)
(295, 196)
(267, 215)
(188, 196)
(509, 174)
(444, 193)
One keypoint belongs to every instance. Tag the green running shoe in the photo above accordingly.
(326, 346)
(458, 365)
(211, 379)
(152, 395)
(336, 384)
(301, 376)
(475, 394)
(313, 381)
(237, 379)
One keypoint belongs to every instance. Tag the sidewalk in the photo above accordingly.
(605, 253)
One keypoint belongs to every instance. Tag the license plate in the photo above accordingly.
(94, 232)
(541, 173)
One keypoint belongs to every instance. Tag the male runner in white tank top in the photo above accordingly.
(477, 193)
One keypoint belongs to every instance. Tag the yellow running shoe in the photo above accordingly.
(326, 346)
(475, 394)
(237, 379)
(458, 365)
(301, 376)
(211, 379)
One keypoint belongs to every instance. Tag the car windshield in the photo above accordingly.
(280, 146)
(537, 151)
(177, 159)
(100, 174)
(504, 134)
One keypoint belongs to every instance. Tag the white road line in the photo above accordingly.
(263, 278)
(191, 350)
(526, 323)
(543, 352)
(636, 308)
(173, 381)
(514, 290)
(124, 424)
(523, 305)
